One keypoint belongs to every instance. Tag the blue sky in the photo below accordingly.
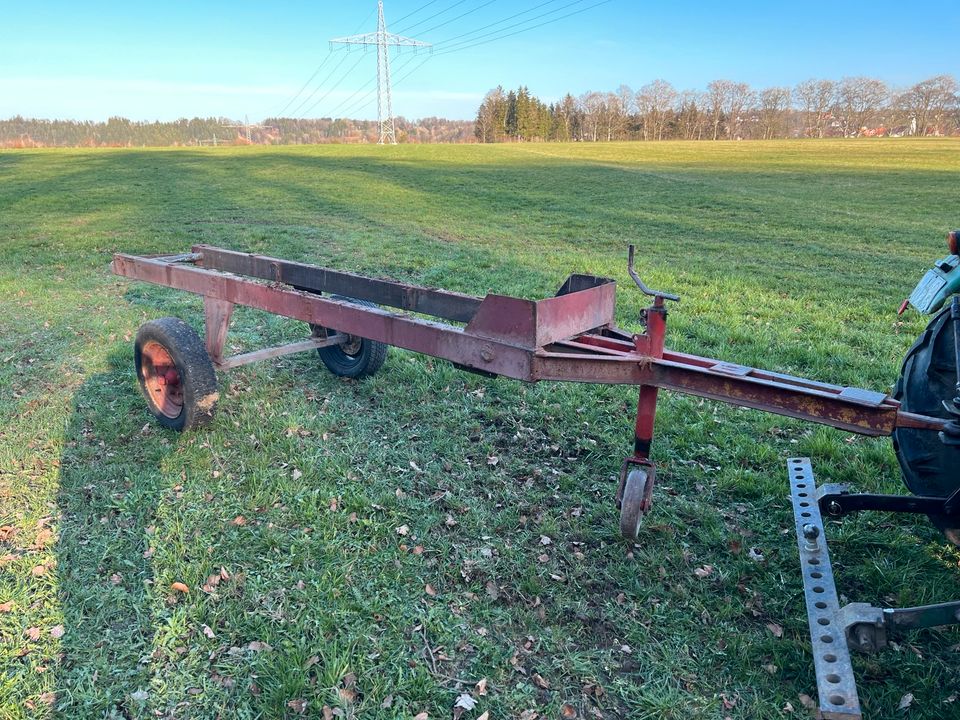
(91, 60)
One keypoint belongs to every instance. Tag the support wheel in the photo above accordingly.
(634, 503)
(927, 381)
(175, 374)
(355, 357)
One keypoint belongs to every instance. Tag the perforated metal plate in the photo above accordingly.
(836, 686)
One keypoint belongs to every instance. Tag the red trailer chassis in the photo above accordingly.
(570, 337)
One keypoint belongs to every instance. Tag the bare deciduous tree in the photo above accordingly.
(859, 102)
(655, 101)
(927, 104)
(816, 98)
(717, 92)
(774, 105)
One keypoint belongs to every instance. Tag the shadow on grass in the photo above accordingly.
(111, 483)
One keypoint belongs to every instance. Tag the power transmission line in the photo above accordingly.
(333, 87)
(411, 14)
(363, 100)
(384, 41)
(462, 15)
(349, 102)
(494, 24)
(408, 28)
(425, 61)
(315, 72)
(518, 24)
(309, 97)
(467, 44)
(300, 91)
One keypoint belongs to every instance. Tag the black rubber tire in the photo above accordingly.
(928, 378)
(359, 358)
(197, 379)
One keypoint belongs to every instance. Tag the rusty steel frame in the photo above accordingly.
(570, 337)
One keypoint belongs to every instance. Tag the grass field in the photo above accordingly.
(382, 547)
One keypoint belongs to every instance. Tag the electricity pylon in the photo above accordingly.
(247, 127)
(384, 41)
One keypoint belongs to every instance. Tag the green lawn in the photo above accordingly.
(380, 547)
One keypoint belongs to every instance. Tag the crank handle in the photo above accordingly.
(640, 284)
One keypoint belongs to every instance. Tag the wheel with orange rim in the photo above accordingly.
(175, 374)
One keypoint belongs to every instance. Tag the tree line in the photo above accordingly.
(19, 132)
(728, 110)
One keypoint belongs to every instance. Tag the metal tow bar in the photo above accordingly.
(836, 686)
(835, 630)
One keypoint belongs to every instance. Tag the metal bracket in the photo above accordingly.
(836, 685)
(867, 627)
(836, 500)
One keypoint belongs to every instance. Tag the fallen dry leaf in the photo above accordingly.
(257, 646)
(327, 712)
(807, 701)
(430, 590)
(239, 521)
(481, 687)
(776, 629)
(56, 632)
(207, 631)
(403, 530)
(464, 703)
(297, 474)
(6, 607)
(39, 570)
(905, 702)
(568, 711)
(421, 716)
(32, 633)
(704, 571)
(484, 716)
(179, 587)
(299, 706)
(540, 681)
(44, 537)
